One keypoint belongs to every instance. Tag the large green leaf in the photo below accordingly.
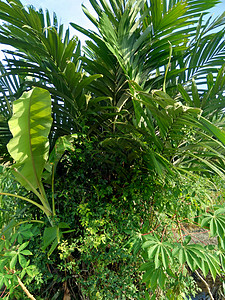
(30, 126)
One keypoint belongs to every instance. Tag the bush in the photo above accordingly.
(111, 208)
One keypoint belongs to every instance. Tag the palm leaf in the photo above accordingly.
(46, 58)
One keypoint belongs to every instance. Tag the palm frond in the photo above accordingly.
(48, 58)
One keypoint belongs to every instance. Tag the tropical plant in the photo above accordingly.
(29, 147)
(143, 34)
(44, 58)
(30, 126)
(149, 87)
(137, 60)
(140, 31)
(14, 266)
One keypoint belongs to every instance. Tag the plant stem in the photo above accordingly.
(179, 229)
(53, 192)
(25, 289)
(167, 68)
(41, 195)
(206, 284)
(25, 199)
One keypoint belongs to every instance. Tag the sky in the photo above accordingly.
(70, 11)
(67, 11)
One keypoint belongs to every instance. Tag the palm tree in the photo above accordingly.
(138, 36)
(44, 57)
(149, 82)
(140, 46)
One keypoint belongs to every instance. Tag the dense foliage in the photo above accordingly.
(110, 209)
(118, 151)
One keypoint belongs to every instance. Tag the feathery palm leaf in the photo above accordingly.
(170, 136)
(49, 59)
(132, 52)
